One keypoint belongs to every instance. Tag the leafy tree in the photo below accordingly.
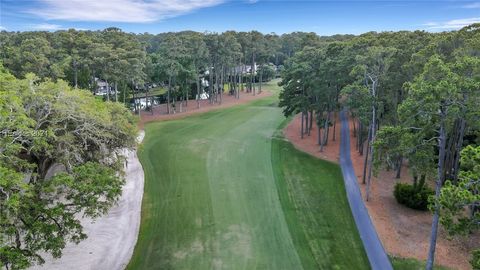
(198, 53)
(47, 125)
(439, 97)
(372, 68)
(455, 198)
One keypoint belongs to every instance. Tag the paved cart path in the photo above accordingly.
(373, 247)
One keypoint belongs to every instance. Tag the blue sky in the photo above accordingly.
(279, 16)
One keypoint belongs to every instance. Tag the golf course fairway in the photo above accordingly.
(223, 190)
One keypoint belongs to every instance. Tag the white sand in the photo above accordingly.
(111, 239)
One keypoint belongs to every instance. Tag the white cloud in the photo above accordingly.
(118, 10)
(46, 27)
(2, 28)
(452, 24)
(472, 5)
(430, 24)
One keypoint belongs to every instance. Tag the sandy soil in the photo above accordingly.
(111, 238)
(404, 232)
(160, 112)
(330, 152)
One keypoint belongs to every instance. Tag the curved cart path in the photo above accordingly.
(111, 238)
(373, 247)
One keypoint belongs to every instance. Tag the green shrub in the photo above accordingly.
(475, 262)
(413, 196)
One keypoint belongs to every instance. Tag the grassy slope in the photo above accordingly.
(313, 195)
(411, 264)
(211, 199)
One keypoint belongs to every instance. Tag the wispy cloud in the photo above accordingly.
(139, 11)
(46, 27)
(2, 28)
(472, 5)
(452, 24)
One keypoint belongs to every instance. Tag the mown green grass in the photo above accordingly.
(313, 197)
(221, 194)
(411, 264)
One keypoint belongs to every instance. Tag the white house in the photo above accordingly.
(102, 88)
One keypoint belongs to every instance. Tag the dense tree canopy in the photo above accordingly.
(60, 157)
(129, 63)
(413, 96)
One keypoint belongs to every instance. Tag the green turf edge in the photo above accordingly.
(298, 235)
(297, 229)
(412, 264)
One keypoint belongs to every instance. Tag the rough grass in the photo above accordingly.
(317, 211)
(411, 264)
(220, 193)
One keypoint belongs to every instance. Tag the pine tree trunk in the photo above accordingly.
(108, 91)
(222, 83)
(301, 128)
(139, 106)
(134, 97)
(253, 73)
(399, 167)
(438, 186)
(210, 85)
(174, 103)
(359, 130)
(456, 164)
(75, 73)
(354, 128)
(325, 133)
(361, 140)
(217, 85)
(372, 138)
(198, 91)
(366, 159)
(260, 81)
(250, 81)
(334, 124)
(146, 99)
(168, 93)
(307, 122)
(242, 71)
(327, 128)
(186, 93)
(370, 161)
(305, 130)
(319, 135)
(311, 122)
(239, 74)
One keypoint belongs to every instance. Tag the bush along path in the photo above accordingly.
(373, 247)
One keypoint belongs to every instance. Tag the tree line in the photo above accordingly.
(126, 62)
(413, 98)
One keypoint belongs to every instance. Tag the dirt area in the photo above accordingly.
(308, 144)
(404, 232)
(160, 112)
